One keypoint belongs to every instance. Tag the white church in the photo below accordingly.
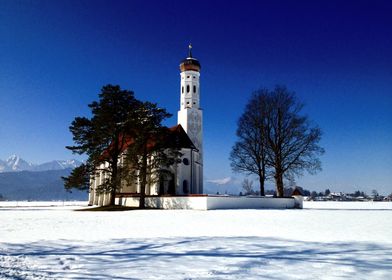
(182, 185)
(186, 176)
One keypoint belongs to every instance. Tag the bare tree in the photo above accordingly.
(249, 153)
(292, 140)
(247, 186)
(274, 138)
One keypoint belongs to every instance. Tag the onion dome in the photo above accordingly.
(190, 63)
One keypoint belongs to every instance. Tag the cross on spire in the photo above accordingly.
(190, 50)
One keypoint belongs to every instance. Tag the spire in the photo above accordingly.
(190, 50)
(189, 63)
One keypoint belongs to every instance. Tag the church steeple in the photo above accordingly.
(190, 115)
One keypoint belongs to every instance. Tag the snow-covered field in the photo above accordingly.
(326, 240)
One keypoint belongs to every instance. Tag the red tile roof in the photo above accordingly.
(176, 137)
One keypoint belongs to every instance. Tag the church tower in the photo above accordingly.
(190, 117)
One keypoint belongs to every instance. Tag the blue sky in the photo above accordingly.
(336, 55)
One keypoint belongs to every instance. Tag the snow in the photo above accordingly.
(326, 240)
(15, 163)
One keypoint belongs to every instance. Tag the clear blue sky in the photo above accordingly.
(337, 55)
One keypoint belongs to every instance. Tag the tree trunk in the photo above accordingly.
(113, 190)
(261, 182)
(279, 184)
(113, 197)
(143, 180)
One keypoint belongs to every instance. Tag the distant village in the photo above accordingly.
(327, 195)
(341, 196)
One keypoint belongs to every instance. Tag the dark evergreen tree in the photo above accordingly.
(151, 148)
(79, 178)
(101, 137)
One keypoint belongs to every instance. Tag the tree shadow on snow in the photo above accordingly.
(198, 257)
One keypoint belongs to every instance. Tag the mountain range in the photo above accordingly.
(15, 163)
(22, 180)
(37, 185)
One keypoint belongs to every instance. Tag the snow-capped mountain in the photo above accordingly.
(3, 166)
(57, 165)
(15, 163)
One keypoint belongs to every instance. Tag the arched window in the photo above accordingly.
(182, 89)
(194, 89)
(187, 88)
(185, 187)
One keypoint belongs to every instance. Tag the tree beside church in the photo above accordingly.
(100, 138)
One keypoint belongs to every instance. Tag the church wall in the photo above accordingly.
(240, 202)
(96, 194)
(187, 171)
(213, 202)
(97, 197)
(91, 192)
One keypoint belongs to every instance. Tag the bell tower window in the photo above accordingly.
(187, 89)
(194, 89)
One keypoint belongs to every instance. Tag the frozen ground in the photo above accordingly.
(326, 240)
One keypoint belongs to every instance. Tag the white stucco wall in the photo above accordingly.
(214, 202)
(178, 202)
(170, 202)
(241, 202)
